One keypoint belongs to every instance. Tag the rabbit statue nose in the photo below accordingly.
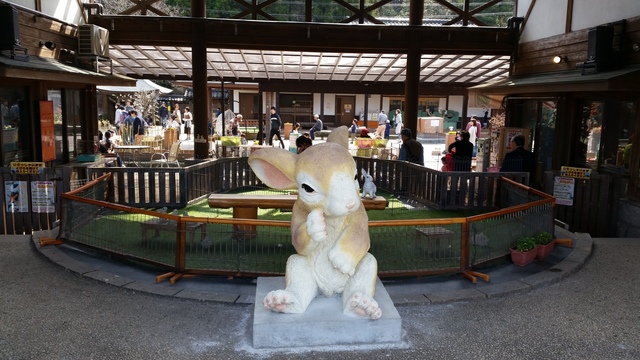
(350, 205)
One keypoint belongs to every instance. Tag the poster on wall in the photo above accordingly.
(47, 131)
(563, 188)
(16, 196)
(42, 197)
(510, 134)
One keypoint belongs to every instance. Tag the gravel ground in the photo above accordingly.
(49, 313)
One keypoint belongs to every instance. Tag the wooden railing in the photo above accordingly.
(175, 187)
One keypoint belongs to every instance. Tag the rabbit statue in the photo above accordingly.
(329, 227)
(368, 188)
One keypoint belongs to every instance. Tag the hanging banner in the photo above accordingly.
(16, 196)
(563, 188)
(47, 131)
(43, 197)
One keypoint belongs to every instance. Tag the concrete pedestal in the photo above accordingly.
(323, 323)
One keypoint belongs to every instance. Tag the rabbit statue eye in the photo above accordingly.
(307, 188)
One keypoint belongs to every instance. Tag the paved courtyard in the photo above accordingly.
(48, 312)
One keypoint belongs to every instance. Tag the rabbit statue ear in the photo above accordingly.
(274, 167)
(363, 172)
(339, 136)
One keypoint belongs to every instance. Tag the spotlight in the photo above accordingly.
(48, 44)
(558, 59)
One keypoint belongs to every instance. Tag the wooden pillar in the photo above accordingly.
(200, 91)
(366, 110)
(412, 78)
(260, 115)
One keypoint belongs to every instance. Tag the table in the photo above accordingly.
(169, 225)
(246, 206)
(434, 235)
(129, 152)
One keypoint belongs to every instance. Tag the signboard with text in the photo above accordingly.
(43, 197)
(575, 172)
(563, 189)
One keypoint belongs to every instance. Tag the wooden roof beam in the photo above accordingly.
(268, 35)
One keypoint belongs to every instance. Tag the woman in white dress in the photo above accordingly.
(399, 124)
(473, 136)
(188, 118)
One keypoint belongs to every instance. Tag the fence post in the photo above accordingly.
(181, 245)
(465, 259)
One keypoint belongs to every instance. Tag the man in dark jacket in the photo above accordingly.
(519, 159)
(138, 125)
(411, 149)
(276, 124)
(163, 112)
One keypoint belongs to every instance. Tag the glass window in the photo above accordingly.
(605, 129)
(16, 137)
(67, 110)
(296, 108)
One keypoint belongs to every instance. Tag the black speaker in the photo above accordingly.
(9, 27)
(600, 46)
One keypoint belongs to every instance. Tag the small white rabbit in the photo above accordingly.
(329, 227)
(368, 188)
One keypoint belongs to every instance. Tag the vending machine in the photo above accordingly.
(483, 156)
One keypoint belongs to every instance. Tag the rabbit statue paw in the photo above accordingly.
(281, 301)
(364, 306)
(342, 261)
(316, 226)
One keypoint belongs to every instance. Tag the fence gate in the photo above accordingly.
(31, 202)
(595, 204)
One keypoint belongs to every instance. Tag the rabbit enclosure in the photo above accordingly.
(406, 239)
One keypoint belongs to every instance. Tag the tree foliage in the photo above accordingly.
(327, 11)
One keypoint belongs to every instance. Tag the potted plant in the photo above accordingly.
(545, 242)
(524, 252)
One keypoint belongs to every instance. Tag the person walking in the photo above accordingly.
(188, 122)
(399, 124)
(138, 127)
(276, 124)
(382, 124)
(163, 112)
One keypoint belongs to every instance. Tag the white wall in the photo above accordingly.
(65, 10)
(329, 103)
(590, 13)
(316, 103)
(455, 103)
(359, 105)
(548, 17)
